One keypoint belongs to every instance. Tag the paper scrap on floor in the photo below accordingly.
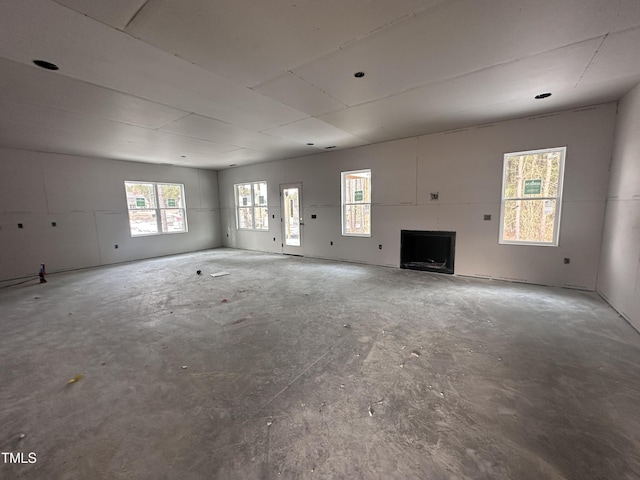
(219, 274)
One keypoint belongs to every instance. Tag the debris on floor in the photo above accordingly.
(415, 353)
(22, 435)
(76, 378)
(199, 272)
(42, 273)
(370, 411)
(184, 367)
(224, 300)
(219, 274)
(346, 325)
(269, 422)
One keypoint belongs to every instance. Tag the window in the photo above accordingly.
(532, 197)
(356, 203)
(155, 208)
(252, 212)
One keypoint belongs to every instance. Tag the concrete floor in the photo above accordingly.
(434, 376)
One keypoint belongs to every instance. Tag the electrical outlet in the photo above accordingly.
(567, 260)
(332, 243)
(115, 246)
(487, 217)
(380, 247)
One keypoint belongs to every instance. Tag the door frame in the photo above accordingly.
(291, 249)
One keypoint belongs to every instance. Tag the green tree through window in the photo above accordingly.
(356, 203)
(532, 197)
(252, 211)
(155, 208)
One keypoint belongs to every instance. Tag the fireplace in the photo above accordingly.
(432, 251)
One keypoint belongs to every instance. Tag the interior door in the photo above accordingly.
(292, 219)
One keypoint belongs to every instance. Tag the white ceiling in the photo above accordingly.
(211, 83)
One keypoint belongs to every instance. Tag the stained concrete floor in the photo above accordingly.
(434, 376)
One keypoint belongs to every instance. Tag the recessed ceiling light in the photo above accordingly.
(542, 95)
(310, 143)
(46, 65)
(332, 146)
(358, 74)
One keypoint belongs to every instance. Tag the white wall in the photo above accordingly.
(619, 274)
(86, 199)
(465, 167)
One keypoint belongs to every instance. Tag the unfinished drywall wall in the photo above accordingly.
(85, 197)
(465, 168)
(619, 273)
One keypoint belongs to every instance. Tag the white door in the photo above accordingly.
(292, 224)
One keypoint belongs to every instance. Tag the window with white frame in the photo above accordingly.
(252, 212)
(532, 197)
(356, 203)
(155, 208)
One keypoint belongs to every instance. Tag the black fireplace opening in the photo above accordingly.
(433, 251)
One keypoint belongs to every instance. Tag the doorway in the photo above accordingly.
(292, 219)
